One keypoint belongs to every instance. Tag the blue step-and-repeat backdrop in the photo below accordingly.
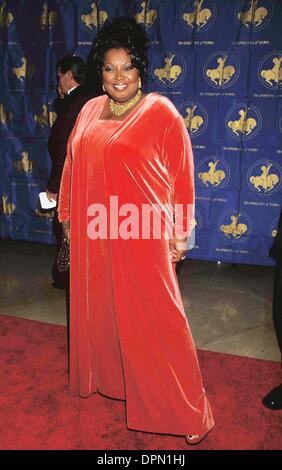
(219, 61)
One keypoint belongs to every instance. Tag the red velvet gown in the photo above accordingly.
(129, 335)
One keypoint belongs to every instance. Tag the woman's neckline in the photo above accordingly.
(108, 120)
(130, 114)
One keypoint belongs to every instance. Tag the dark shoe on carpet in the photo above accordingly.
(273, 399)
(59, 286)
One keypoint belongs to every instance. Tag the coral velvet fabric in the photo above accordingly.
(129, 335)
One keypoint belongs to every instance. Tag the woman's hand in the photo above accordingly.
(176, 254)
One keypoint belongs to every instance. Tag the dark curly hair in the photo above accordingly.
(123, 33)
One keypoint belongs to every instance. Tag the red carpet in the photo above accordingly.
(37, 413)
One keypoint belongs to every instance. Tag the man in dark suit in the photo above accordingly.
(273, 399)
(71, 75)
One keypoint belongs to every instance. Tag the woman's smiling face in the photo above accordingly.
(120, 77)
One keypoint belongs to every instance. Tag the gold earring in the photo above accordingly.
(139, 84)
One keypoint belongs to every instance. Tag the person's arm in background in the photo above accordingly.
(58, 106)
(59, 102)
(58, 143)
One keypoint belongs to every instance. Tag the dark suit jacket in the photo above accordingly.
(67, 110)
(276, 248)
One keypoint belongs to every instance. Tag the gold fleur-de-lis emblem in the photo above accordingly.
(193, 122)
(199, 16)
(234, 229)
(6, 18)
(94, 18)
(52, 117)
(244, 125)
(8, 207)
(222, 74)
(146, 16)
(20, 72)
(266, 181)
(254, 15)
(4, 115)
(213, 176)
(25, 164)
(46, 118)
(169, 72)
(25, 70)
(48, 18)
(273, 76)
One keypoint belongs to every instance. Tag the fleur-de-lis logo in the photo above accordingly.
(46, 118)
(243, 122)
(200, 17)
(8, 207)
(20, 72)
(215, 176)
(171, 73)
(256, 16)
(193, 122)
(25, 164)
(5, 18)
(4, 115)
(225, 73)
(234, 229)
(270, 70)
(195, 118)
(24, 71)
(48, 18)
(146, 16)
(95, 18)
(264, 178)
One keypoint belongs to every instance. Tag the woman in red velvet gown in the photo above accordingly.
(129, 335)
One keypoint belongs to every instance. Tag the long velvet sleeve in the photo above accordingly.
(65, 186)
(180, 166)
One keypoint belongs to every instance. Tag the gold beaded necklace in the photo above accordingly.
(120, 109)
